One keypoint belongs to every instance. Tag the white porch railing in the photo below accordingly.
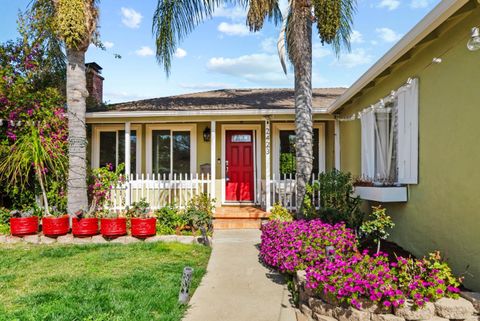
(284, 191)
(159, 190)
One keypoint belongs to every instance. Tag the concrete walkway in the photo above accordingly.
(237, 287)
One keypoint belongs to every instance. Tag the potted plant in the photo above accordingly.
(102, 181)
(142, 224)
(24, 222)
(84, 224)
(112, 224)
(55, 223)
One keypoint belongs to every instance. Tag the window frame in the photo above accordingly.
(192, 128)
(277, 127)
(97, 129)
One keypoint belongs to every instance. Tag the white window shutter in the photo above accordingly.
(368, 144)
(407, 160)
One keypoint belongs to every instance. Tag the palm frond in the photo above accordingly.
(282, 40)
(259, 10)
(173, 20)
(334, 22)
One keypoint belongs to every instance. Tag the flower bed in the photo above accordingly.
(338, 275)
(292, 246)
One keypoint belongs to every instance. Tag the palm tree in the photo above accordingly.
(173, 20)
(74, 22)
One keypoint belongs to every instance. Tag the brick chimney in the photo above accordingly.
(94, 84)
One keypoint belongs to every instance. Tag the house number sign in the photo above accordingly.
(241, 138)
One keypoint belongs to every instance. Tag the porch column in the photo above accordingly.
(337, 144)
(128, 169)
(213, 158)
(267, 164)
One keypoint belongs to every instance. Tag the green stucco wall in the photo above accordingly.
(443, 210)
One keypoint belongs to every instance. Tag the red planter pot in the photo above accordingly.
(144, 227)
(55, 226)
(113, 227)
(84, 227)
(20, 226)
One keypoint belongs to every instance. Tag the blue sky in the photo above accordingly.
(221, 53)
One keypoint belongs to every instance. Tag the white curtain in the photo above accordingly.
(367, 120)
(384, 143)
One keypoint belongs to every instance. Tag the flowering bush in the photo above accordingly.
(101, 182)
(335, 269)
(292, 246)
(351, 279)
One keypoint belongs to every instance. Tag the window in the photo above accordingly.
(170, 150)
(284, 149)
(390, 139)
(109, 146)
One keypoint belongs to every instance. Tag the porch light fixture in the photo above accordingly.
(474, 42)
(206, 134)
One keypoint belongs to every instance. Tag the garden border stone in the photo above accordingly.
(473, 297)
(41, 239)
(313, 306)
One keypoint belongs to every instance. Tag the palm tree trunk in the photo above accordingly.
(303, 109)
(77, 134)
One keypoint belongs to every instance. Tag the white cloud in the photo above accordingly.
(388, 35)
(233, 13)
(389, 4)
(180, 53)
(131, 18)
(206, 86)
(355, 58)
(122, 96)
(144, 51)
(356, 37)
(419, 4)
(233, 29)
(319, 51)
(108, 44)
(256, 68)
(269, 45)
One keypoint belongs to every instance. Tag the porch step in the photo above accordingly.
(240, 212)
(236, 223)
(238, 217)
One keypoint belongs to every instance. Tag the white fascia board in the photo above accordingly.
(435, 18)
(238, 112)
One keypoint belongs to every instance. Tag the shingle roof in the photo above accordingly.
(227, 99)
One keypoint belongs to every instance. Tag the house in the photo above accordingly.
(411, 123)
(235, 144)
(408, 127)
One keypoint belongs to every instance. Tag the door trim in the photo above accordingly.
(257, 160)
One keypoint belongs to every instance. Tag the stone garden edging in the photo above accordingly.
(313, 307)
(98, 239)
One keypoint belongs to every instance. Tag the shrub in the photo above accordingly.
(336, 203)
(280, 213)
(169, 220)
(139, 209)
(4, 220)
(376, 226)
(199, 212)
(292, 246)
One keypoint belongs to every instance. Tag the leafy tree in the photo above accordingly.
(174, 20)
(377, 225)
(33, 132)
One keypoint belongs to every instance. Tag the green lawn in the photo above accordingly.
(96, 282)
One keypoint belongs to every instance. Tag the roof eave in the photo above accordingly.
(166, 113)
(431, 21)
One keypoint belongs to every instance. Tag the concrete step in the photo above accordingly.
(236, 223)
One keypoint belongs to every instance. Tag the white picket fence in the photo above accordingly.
(159, 190)
(284, 190)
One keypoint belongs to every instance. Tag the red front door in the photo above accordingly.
(239, 167)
